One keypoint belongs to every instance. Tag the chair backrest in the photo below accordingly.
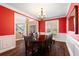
(50, 36)
(28, 44)
(49, 39)
(26, 41)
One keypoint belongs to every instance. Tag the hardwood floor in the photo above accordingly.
(59, 49)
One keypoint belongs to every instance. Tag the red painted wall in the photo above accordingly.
(62, 25)
(71, 23)
(6, 21)
(70, 11)
(41, 26)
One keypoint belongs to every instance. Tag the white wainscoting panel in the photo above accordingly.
(60, 37)
(7, 42)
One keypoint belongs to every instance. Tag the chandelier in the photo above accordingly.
(42, 16)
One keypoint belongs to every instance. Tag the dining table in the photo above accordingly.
(39, 44)
(39, 40)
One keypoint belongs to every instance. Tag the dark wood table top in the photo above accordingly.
(40, 38)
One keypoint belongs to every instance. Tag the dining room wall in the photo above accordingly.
(70, 11)
(7, 37)
(62, 28)
(72, 39)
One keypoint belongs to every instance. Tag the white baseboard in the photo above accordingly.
(69, 50)
(19, 39)
(4, 50)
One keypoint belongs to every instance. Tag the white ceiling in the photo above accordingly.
(50, 9)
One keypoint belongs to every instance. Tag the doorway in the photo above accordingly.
(20, 26)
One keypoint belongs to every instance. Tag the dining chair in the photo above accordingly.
(30, 47)
(49, 41)
(42, 48)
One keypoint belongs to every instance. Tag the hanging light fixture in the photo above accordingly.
(42, 16)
